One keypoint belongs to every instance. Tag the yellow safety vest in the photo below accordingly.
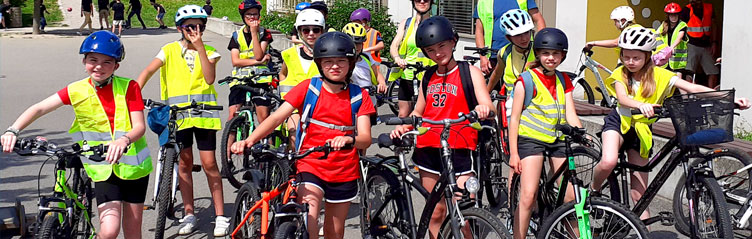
(639, 122)
(374, 81)
(411, 53)
(678, 60)
(511, 74)
(92, 124)
(487, 18)
(246, 52)
(539, 119)
(295, 71)
(180, 86)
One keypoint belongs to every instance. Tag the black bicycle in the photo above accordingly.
(392, 91)
(699, 119)
(67, 212)
(386, 201)
(166, 183)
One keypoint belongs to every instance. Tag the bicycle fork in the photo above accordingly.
(160, 162)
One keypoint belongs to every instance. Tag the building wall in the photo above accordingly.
(735, 62)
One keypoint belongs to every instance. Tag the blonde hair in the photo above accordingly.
(647, 82)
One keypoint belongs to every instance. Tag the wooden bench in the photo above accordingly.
(585, 109)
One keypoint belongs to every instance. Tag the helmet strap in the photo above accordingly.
(343, 84)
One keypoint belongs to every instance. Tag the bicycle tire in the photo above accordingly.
(392, 93)
(290, 230)
(84, 227)
(278, 172)
(230, 167)
(164, 196)
(580, 84)
(722, 219)
(475, 216)
(373, 226)
(741, 180)
(601, 206)
(51, 227)
(246, 197)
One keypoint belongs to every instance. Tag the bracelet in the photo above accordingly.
(128, 138)
(12, 130)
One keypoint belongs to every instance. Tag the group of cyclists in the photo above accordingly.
(334, 69)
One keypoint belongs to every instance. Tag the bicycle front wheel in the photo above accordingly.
(51, 227)
(391, 94)
(383, 208)
(164, 195)
(234, 165)
(84, 228)
(712, 219)
(247, 197)
(479, 223)
(582, 91)
(608, 219)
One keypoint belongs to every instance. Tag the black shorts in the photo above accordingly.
(613, 122)
(206, 139)
(333, 192)
(529, 147)
(237, 96)
(406, 91)
(429, 160)
(117, 189)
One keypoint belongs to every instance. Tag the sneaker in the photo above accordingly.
(79, 33)
(187, 224)
(220, 226)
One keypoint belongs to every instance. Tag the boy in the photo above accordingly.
(118, 10)
(160, 13)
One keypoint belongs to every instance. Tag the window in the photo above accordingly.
(459, 13)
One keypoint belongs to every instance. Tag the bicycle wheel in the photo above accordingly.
(712, 219)
(735, 186)
(51, 227)
(492, 172)
(276, 173)
(83, 228)
(585, 159)
(234, 164)
(291, 230)
(164, 195)
(582, 90)
(247, 196)
(391, 94)
(383, 208)
(480, 223)
(608, 219)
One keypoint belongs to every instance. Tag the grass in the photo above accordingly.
(222, 8)
(27, 12)
(743, 130)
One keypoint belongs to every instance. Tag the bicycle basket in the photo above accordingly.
(703, 118)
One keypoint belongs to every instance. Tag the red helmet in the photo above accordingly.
(672, 8)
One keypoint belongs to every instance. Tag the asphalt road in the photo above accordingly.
(33, 68)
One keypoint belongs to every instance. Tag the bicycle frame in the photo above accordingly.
(67, 200)
(287, 189)
(593, 66)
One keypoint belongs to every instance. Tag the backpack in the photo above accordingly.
(530, 92)
(309, 104)
(465, 78)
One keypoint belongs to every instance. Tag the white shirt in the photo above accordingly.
(362, 73)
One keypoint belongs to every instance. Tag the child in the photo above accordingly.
(108, 110)
(208, 8)
(160, 13)
(373, 44)
(673, 40)
(436, 38)
(531, 129)
(298, 62)
(513, 58)
(639, 84)
(334, 178)
(104, 13)
(187, 73)
(318, 5)
(366, 72)
(118, 16)
(86, 9)
(42, 19)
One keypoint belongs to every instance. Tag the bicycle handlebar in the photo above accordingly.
(588, 52)
(415, 121)
(250, 78)
(495, 96)
(260, 92)
(281, 153)
(151, 103)
(479, 50)
(418, 66)
(39, 146)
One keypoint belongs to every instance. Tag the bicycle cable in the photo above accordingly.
(39, 176)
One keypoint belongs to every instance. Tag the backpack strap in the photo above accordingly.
(507, 52)
(465, 77)
(309, 105)
(427, 78)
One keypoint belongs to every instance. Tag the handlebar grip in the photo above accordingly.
(388, 64)
(570, 130)
(225, 80)
(99, 152)
(399, 121)
(588, 52)
(658, 111)
(271, 73)
(213, 107)
(491, 114)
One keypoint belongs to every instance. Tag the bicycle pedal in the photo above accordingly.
(149, 207)
(667, 218)
(196, 168)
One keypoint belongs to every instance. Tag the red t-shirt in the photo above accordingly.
(340, 166)
(550, 82)
(107, 98)
(445, 100)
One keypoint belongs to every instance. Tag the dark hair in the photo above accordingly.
(208, 1)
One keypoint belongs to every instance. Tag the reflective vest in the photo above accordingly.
(246, 52)
(410, 53)
(180, 86)
(699, 28)
(92, 124)
(639, 122)
(539, 119)
(679, 59)
(372, 37)
(511, 74)
(295, 71)
(486, 15)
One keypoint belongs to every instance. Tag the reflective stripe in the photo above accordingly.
(680, 51)
(205, 114)
(189, 98)
(285, 88)
(311, 87)
(355, 99)
(91, 136)
(331, 126)
(537, 128)
(678, 58)
(537, 121)
(698, 29)
(134, 160)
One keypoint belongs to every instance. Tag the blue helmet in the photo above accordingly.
(301, 6)
(103, 42)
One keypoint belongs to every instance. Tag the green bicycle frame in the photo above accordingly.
(61, 186)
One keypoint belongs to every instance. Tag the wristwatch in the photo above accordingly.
(14, 131)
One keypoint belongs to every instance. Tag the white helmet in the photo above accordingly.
(623, 12)
(637, 38)
(188, 12)
(310, 17)
(516, 22)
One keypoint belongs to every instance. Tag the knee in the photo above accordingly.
(608, 162)
(439, 213)
(108, 231)
(527, 199)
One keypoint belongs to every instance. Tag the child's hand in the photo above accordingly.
(514, 163)
(482, 111)
(254, 26)
(743, 103)
(194, 36)
(647, 109)
(399, 130)
(339, 142)
(239, 147)
(266, 58)
(116, 149)
(8, 141)
(381, 88)
(401, 62)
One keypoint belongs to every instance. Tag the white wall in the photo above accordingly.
(737, 50)
(571, 17)
(399, 9)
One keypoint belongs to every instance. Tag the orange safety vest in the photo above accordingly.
(698, 28)
(372, 39)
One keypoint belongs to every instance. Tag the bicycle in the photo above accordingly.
(67, 213)
(388, 179)
(166, 183)
(254, 210)
(236, 167)
(690, 113)
(393, 87)
(582, 88)
(481, 51)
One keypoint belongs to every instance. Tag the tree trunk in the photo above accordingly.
(37, 15)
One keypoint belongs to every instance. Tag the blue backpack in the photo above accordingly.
(527, 79)
(309, 105)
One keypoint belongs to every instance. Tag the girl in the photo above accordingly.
(108, 110)
(513, 58)
(639, 84)
(436, 38)
(531, 129)
(673, 40)
(187, 72)
(334, 178)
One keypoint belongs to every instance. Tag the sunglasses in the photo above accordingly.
(308, 30)
(250, 15)
(425, 1)
(200, 27)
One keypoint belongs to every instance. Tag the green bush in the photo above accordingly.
(279, 21)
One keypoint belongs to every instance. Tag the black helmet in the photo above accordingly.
(334, 44)
(319, 5)
(248, 4)
(434, 30)
(551, 38)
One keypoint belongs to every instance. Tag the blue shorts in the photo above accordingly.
(160, 16)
